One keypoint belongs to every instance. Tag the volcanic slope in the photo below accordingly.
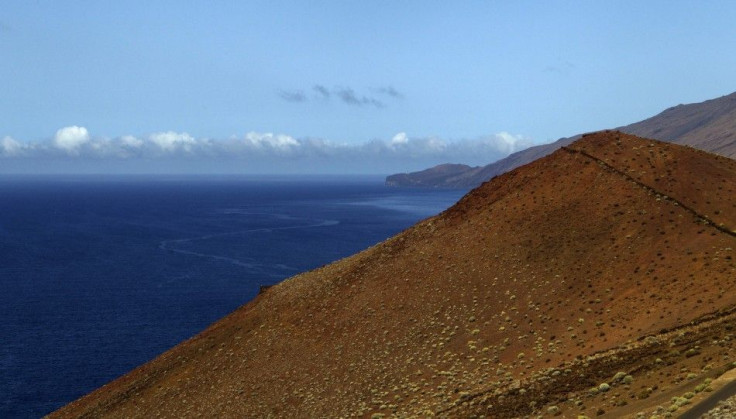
(612, 254)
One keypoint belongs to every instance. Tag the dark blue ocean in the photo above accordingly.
(101, 274)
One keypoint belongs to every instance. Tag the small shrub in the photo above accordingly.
(644, 393)
(691, 353)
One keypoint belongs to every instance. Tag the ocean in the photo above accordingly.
(101, 274)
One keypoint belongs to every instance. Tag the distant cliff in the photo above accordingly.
(709, 126)
(444, 174)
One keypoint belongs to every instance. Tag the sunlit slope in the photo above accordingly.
(598, 244)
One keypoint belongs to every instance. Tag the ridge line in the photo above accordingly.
(704, 219)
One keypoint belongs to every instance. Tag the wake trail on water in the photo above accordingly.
(170, 245)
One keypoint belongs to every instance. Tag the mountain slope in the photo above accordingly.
(440, 174)
(709, 126)
(539, 284)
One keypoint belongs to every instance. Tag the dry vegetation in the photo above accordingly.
(595, 281)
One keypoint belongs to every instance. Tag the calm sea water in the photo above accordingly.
(98, 275)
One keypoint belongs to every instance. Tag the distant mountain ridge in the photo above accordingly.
(437, 174)
(709, 126)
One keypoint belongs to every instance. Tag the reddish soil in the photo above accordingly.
(612, 254)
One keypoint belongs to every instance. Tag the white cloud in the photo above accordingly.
(270, 152)
(131, 142)
(11, 147)
(268, 140)
(170, 141)
(508, 143)
(435, 145)
(71, 138)
(400, 138)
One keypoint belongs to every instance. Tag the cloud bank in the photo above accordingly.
(253, 152)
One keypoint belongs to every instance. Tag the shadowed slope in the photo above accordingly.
(594, 246)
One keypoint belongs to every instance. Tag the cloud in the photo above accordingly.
(563, 68)
(71, 138)
(349, 97)
(171, 141)
(508, 143)
(269, 141)
(322, 91)
(400, 138)
(293, 96)
(389, 91)
(11, 147)
(130, 141)
(346, 95)
(257, 152)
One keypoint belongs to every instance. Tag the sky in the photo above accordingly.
(339, 86)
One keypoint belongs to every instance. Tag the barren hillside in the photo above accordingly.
(614, 254)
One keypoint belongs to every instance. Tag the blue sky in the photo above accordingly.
(372, 86)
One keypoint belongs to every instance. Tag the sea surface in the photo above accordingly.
(101, 274)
